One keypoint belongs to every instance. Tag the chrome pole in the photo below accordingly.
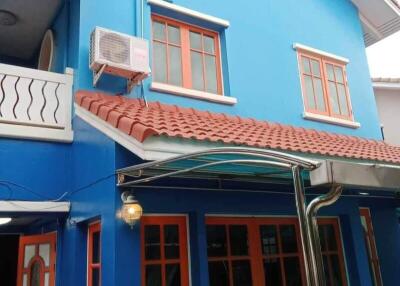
(315, 244)
(310, 271)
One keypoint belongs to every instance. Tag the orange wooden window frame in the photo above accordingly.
(50, 238)
(371, 248)
(323, 62)
(186, 69)
(161, 221)
(92, 229)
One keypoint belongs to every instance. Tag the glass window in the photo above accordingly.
(186, 56)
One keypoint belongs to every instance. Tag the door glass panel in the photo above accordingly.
(211, 74)
(153, 275)
(209, 44)
(288, 237)
(172, 275)
(292, 271)
(241, 271)
(34, 279)
(269, 242)
(309, 90)
(96, 247)
(238, 240)
(195, 41)
(337, 279)
(315, 68)
(218, 272)
(174, 35)
(47, 279)
(272, 271)
(216, 241)
(171, 241)
(160, 62)
(95, 277)
(29, 253)
(319, 94)
(197, 70)
(175, 66)
(152, 242)
(25, 280)
(44, 252)
(326, 270)
(158, 31)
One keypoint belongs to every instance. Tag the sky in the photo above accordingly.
(384, 57)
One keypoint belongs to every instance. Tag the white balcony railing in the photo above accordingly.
(35, 104)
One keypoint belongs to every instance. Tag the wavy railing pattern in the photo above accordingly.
(35, 98)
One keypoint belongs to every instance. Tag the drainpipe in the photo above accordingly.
(318, 275)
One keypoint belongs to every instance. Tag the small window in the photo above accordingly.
(164, 251)
(324, 86)
(370, 245)
(186, 56)
(94, 255)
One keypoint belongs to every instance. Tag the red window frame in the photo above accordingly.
(92, 229)
(323, 62)
(186, 49)
(371, 247)
(161, 221)
(256, 256)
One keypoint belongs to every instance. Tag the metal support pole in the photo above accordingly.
(304, 233)
(314, 241)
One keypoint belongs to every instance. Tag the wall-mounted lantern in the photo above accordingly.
(131, 210)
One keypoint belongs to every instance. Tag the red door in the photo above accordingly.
(36, 260)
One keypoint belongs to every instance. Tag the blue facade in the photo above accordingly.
(260, 69)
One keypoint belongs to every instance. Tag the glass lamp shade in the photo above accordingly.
(131, 211)
(5, 220)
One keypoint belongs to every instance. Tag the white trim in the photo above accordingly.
(181, 91)
(34, 206)
(36, 133)
(297, 46)
(189, 12)
(333, 120)
(386, 85)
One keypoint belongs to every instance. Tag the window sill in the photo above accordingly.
(180, 91)
(332, 120)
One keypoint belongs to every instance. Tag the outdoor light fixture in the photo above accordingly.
(7, 18)
(131, 210)
(5, 220)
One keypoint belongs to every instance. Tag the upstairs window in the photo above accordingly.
(186, 56)
(324, 85)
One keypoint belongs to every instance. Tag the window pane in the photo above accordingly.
(29, 253)
(35, 274)
(269, 242)
(241, 271)
(95, 277)
(272, 272)
(96, 247)
(158, 31)
(175, 66)
(331, 237)
(333, 97)
(336, 271)
(218, 273)
(309, 90)
(326, 270)
(238, 239)
(209, 45)
(211, 74)
(319, 94)
(306, 65)
(172, 275)
(288, 238)
(171, 241)
(342, 99)
(160, 62)
(292, 271)
(152, 242)
(174, 35)
(315, 68)
(153, 275)
(216, 241)
(339, 74)
(329, 69)
(195, 40)
(197, 70)
(44, 252)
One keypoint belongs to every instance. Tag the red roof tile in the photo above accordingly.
(132, 117)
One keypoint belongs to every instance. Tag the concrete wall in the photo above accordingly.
(388, 103)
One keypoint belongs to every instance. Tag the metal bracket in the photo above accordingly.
(98, 74)
(133, 81)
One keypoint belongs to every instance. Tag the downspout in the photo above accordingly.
(318, 275)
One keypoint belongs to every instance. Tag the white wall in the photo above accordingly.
(388, 102)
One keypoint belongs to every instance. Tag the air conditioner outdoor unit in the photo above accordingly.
(118, 54)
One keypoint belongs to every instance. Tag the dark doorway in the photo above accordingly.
(8, 259)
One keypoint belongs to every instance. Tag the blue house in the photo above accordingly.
(246, 150)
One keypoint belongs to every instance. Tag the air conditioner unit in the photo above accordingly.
(120, 55)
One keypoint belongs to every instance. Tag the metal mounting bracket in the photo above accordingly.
(98, 74)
